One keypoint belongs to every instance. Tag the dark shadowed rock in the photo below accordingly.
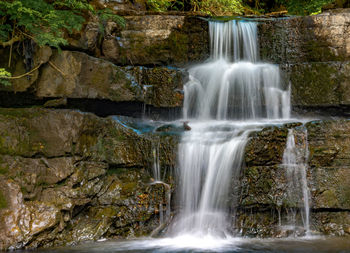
(40, 56)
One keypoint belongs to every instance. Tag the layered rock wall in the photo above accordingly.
(314, 54)
(264, 202)
(141, 63)
(67, 177)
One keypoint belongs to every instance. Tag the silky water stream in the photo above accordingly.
(227, 98)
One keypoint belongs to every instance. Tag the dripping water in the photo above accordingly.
(156, 164)
(164, 214)
(295, 159)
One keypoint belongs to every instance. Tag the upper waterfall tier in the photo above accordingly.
(243, 89)
(234, 41)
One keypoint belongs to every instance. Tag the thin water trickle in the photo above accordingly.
(295, 160)
(156, 164)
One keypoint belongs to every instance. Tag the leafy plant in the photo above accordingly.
(44, 21)
(210, 7)
(108, 15)
(160, 5)
(220, 7)
(294, 7)
(3, 77)
(303, 7)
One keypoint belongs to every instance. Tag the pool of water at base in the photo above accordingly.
(189, 243)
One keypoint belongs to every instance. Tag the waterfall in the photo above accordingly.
(210, 159)
(221, 89)
(295, 159)
(225, 99)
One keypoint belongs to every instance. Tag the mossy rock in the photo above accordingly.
(3, 201)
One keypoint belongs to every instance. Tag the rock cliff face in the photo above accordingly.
(158, 40)
(314, 54)
(120, 64)
(140, 63)
(76, 75)
(68, 177)
(264, 180)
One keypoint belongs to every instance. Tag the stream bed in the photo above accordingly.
(188, 243)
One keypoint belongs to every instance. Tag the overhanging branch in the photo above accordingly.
(11, 41)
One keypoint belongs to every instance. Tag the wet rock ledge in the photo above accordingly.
(67, 177)
(263, 200)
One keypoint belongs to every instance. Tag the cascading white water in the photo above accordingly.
(210, 155)
(221, 89)
(233, 41)
(295, 162)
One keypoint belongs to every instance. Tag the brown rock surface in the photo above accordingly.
(67, 177)
(157, 40)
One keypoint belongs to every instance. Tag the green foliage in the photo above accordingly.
(41, 20)
(45, 21)
(108, 15)
(160, 5)
(221, 7)
(304, 7)
(210, 7)
(5, 30)
(294, 7)
(3, 75)
(238, 7)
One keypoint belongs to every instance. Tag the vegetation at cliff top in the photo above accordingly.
(238, 7)
(44, 21)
